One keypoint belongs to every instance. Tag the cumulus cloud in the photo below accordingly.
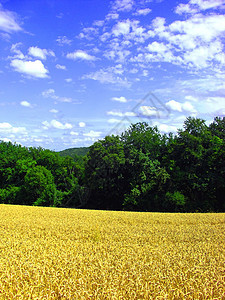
(148, 111)
(191, 98)
(54, 111)
(123, 5)
(93, 134)
(185, 9)
(112, 16)
(202, 56)
(174, 105)
(8, 128)
(167, 128)
(6, 140)
(82, 124)
(203, 28)
(195, 42)
(207, 4)
(9, 21)
(143, 12)
(40, 53)
(56, 124)
(74, 133)
(80, 54)
(16, 51)
(60, 67)
(50, 93)
(63, 40)
(31, 68)
(181, 107)
(121, 114)
(25, 103)
(120, 99)
(157, 47)
(98, 23)
(121, 28)
(109, 75)
(112, 121)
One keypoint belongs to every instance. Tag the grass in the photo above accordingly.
(51, 253)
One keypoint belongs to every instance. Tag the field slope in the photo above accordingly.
(52, 253)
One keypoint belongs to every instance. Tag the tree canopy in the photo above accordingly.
(141, 169)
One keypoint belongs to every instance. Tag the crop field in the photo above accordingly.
(55, 253)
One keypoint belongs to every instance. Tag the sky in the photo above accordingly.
(74, 71)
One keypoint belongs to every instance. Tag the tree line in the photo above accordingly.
(141, 169)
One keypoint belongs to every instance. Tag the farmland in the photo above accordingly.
(57, 253)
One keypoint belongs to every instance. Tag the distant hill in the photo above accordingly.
(82, 151)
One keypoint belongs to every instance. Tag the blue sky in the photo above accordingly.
(73, 71)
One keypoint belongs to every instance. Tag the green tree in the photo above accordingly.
(103, 173)
(39, 187)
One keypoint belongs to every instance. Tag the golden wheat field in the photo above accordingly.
(55, 253)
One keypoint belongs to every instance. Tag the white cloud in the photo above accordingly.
(123, 5)
(148, 111)
(196, 42)
(6, 140)
(31, 68)
(112, 121)
(89, 33)
(191, 98)
(8, 21)
(98, 23)
(54, 111)
(93, 134)
(80, 54)
(63, 40)
(188, 107)
(207, 4)
(121, 28)
(56, 124)
(181, 107)
(109, 75)
(185, 8)
(157, 47)
(214, 105)
(201, 28)
(25, 103)
(202, 56)
(82, 124)
(8, 128)
(68, 80)
(158, 24)
(5, 126)
(121, 114)
(17, 53)
(167, 128)
(60, 67)
(143, 12)
(145, 73)
(112, 16)
(195, 6)
(40, 53)
(74, 133)
(120, 99)
(50, 93)
(65, 99)
(174, 105)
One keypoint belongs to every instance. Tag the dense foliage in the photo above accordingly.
(141, 170)
(74, 152)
